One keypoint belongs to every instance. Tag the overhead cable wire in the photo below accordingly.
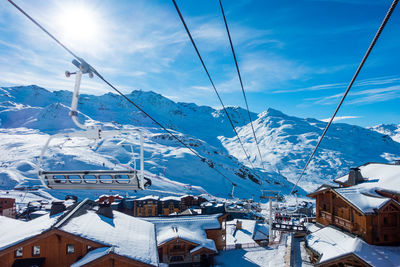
(371, 46)
(212, 83)
(203, 159)
(241, 84)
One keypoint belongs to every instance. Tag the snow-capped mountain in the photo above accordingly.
(47, 113)
(187, 118)
(391, 130)
(285, 142)
(288, 141)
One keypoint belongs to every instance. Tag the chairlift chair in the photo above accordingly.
(267, 194)
(91, 179)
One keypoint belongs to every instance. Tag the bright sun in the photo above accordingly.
(79, 25)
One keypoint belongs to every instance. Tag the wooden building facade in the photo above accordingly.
(219, 234)
(190, 201)
(7, 207)
(146, 206)
(181, 251)
(380, 227)
(169, 205)
(58, 248)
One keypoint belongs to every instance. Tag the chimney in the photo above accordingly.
(238, 225)
(105, 210)
(57, 207)
(355, 176)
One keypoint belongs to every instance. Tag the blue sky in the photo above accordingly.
(295, 56)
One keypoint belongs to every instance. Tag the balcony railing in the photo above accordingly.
(342, 223)
(326, 215)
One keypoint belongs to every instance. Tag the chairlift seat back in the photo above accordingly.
(93, 179)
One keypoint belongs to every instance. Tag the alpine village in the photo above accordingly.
(93, 177)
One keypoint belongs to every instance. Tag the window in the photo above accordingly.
(36, 251)
(18, 252)
(70, 249)
(88, 248)
(385, 238)
(385, 221)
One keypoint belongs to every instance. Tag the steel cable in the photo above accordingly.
(203, 159)
(213, 85)
(376, 37)
(241, 84)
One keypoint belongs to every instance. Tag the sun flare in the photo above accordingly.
(79, 25)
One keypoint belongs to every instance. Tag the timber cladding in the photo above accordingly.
(51, 245)
(60, 249)
(378, 228)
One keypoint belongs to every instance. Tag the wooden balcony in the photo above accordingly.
(326, 216)
(338, 221)
(343, 223)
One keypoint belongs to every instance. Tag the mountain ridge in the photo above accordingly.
(285, 141)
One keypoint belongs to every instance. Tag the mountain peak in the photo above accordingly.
(270, 112)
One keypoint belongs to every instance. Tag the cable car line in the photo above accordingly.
(94, 71)
(371, 46)
(241, 83)
(212, 83)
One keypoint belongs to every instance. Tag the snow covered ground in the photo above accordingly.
(258, 256)
(300, 255)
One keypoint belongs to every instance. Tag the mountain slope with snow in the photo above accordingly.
(162, 153)
(285, 141)
(391, 130)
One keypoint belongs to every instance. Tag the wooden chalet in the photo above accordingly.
(83, 234)
(147, 206)
(190, 201)
(7, 207)
(182, 251)
(364, 205)
(189, 240)
(170, 205)
(329, 246)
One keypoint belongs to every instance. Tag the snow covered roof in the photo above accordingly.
(129, 236)
(171, 198)
(149, 197)
(377, 176)
(312, 227)
(92, 255)
(366, 203)
(330, 244)
(191, 212)
(261, 232)
(14, 231)
(249, 233)
(190, 228)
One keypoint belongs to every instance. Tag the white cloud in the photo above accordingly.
(340, 118)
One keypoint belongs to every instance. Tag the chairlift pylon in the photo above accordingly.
(132, 179)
